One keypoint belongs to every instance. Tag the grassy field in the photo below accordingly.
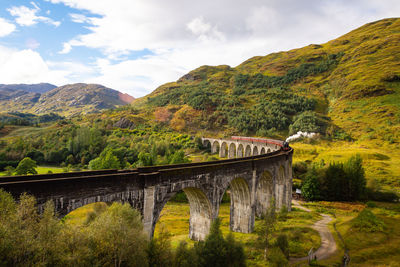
(381, 164)
(366, 247)
(380, 248)
(43, 170)
(175, 220)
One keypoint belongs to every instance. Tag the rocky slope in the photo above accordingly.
(66, 100)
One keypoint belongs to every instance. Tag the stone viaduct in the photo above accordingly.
(254, 174)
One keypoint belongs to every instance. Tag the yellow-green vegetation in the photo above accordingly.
(174, 219)
(43, 170)
(373, 238)
(371, 232)
(382, 165)
(348, 90)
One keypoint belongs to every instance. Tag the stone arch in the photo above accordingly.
(262, 151)
(63, 206)
(240, 151)
(247, 152)
(232, 151)
(200, 212)
(255, 151)
(215, 147)
(241, 219)
(207, 145)
(264, 193)
(269, 150)
(223, 153)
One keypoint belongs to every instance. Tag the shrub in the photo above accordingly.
(366, 221)
(283, 244)
(385, 196)
(277, 258)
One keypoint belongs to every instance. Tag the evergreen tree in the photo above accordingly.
(311, 188)
(356, 175)
(213, 251)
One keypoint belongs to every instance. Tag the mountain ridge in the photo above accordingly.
(71, 99)
(339, 76)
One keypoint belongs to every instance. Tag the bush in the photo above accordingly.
(283, 244)
(371, 204)
(385, 196)
(277, 258)
(307, 121)
(366, 221)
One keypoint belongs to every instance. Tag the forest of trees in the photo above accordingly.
(277, 107)
(98, 147)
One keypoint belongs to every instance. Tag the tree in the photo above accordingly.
(106, 160)
(213, 251)
(25, 166)
(267, 228)
(283, 244)
(311, 188)
(116, 237)
(184, 256)
(159, 250)
(356, 175)
(336, 183)
(235, 255)
(218, 251)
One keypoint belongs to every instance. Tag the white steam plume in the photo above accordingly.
(300, 134)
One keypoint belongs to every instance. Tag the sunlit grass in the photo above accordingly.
(380, 164)
(43, 170)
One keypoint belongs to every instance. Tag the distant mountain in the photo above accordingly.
(65, 100)
(32, 88)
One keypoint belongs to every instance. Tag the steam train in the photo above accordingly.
(283, 144)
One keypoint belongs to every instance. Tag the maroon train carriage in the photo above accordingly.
(283, 144)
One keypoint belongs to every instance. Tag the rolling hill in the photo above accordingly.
(66, 100)
(347, 88)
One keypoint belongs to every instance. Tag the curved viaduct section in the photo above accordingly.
(253, 182)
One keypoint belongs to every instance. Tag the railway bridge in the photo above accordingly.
(253, 179)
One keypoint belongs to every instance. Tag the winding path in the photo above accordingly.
(328, 245)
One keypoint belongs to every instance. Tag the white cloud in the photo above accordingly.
(79, 18)
(66, 48)
(27, 66)
(26, 16)
(183, 35)
(6, 27)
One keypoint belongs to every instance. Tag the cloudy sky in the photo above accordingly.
(136, 45)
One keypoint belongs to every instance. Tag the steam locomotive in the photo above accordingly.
(283, 144)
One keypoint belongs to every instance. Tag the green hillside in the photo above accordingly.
(346, 88)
